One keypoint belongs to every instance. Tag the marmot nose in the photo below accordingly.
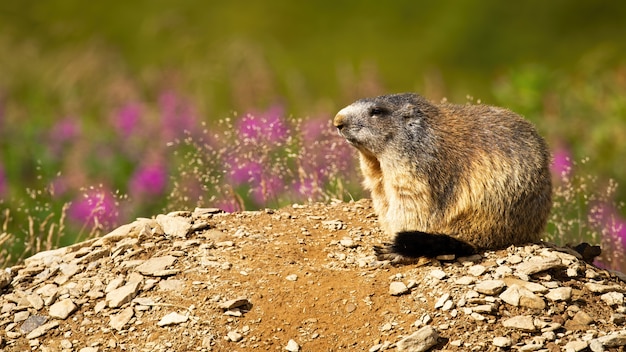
(338, 121)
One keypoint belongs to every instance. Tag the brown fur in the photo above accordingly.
(477, 173)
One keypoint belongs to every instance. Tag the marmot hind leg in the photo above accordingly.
(408, 247)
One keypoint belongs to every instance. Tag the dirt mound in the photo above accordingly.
(299, 278)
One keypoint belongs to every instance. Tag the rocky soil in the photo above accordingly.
(301, 278)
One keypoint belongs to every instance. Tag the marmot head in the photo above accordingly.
(373, 125)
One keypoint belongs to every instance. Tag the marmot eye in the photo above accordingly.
(376, 111)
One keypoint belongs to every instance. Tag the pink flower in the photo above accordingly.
(126, 118)
(269, 126)
(177, 115)
(97, 206)
(561, 162)
(149, 179)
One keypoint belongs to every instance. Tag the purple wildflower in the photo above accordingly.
(269, 126)
(149, 179)
(244, 171)
(126, 118)
(177, 115)
(561, 162)
(97, 206)
(266, 188)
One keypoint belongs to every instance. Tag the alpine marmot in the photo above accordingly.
(449, 179)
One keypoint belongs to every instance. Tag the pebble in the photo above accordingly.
(490, 287)
(560, 294)
(420, 341)
(521, 322)
(234, 336)
(398, 288)
(172, 319)
(176, 226)
(234, 303)
(538, 264)
(613, 298)
(502, 341)
(62, 309)
(575, 346)
(33, 322)
(118, 321)
(442, 300)
(122, 295)
(476, 270)
(438, 274)
(154, 266)
(292, 346)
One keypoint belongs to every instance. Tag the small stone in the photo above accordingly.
(234, 303)
(442, 300)
(530, 286)
(21, 316)
(490, 287)
(398, 288)
(348, 243)
(599, 288)
(292, 346)
(465, 280)
(420, 341)
(438, 274)
(502, 341)
(580, 321)
(118, 321)
(66, 344)
(35, 301)
(477, 270)
(447, 305)
(62, 309)
(33, 322)
(155, 265)
(575, 346)
(292, 277)
(484, 308)
(88, 349)
(42, 330)
(559, 294)
(176, 226)
(571, 272)
(113, 284)
(515, 259)
(172, 318)
(122, 295)
(5, 279)
(613, 340)
(613, 298)
(234, 336)
(171, 285)
(521, 322)
(456, 343)
(539, 264)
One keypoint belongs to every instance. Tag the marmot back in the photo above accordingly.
(449, 179)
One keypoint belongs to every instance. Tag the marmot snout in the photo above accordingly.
(449, 179)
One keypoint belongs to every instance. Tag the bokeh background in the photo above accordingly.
(114, 110)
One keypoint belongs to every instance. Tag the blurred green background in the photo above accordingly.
(72, 72)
